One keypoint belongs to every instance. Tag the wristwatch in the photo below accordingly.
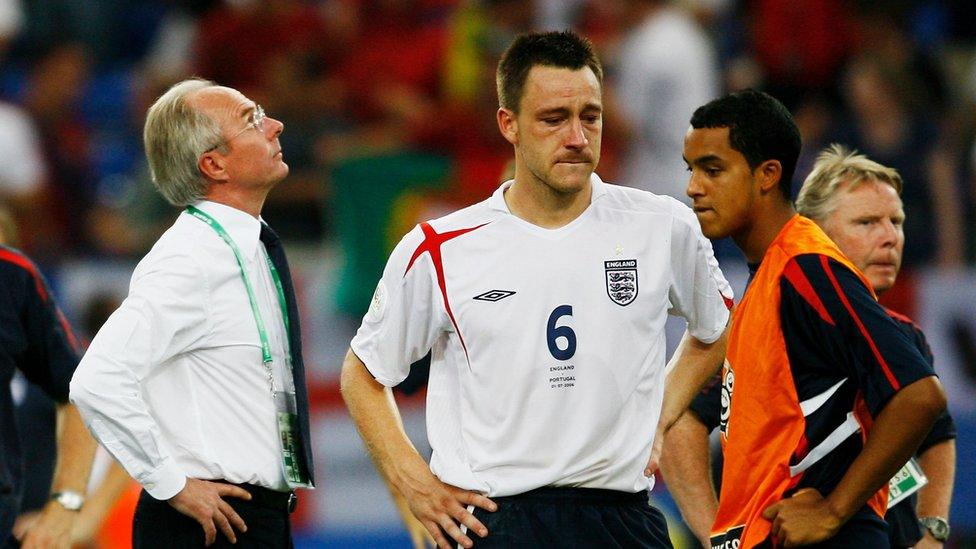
(937, 526)
(71, 501)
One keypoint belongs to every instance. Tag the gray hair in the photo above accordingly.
(834, 166)
(175, 136)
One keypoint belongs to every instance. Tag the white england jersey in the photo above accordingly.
(548, 346)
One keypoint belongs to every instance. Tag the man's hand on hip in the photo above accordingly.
(204, 502)
(441, 508)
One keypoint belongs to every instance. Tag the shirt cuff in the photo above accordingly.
(165, 482)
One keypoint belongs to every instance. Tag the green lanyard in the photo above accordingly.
(265, 344)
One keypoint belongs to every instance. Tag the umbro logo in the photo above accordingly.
(494, 295)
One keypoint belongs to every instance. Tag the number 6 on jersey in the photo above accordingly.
(554, 332)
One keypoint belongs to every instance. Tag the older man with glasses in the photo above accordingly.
(196, 383)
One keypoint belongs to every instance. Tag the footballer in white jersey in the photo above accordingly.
(548, 346)
(543, 309)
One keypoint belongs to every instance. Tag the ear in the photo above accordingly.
(213, 166)
(508, 125)
(769, 173)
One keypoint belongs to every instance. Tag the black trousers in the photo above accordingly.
(573, 518)
(157, 525)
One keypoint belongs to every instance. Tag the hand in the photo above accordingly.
(420, 538)
(928, 542)
(24, 523)
(802, 519)
(85, 529)
(203, 502)
(50, 528)
(441, 507)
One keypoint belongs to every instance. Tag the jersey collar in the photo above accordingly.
(497, 199)
(242, 227)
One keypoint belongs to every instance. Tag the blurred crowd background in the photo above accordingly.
(389, 112)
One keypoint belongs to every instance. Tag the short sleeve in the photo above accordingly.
(699, 291)
(828, 304)
(404, 317)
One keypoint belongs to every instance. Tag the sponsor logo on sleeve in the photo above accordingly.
(377, 306)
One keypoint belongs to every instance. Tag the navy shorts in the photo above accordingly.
(573, 518)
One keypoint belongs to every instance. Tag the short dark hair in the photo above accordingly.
(760, 128)
(564, 49)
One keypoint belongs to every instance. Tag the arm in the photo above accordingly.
(48, 361)
(76, 449)
(164, 315)
(687, 468)
(99, 504)
(937, 457)
(699, 293)
(825, 304)
(690, 367)
(808, 517)
(438, 506)
(420, 538)
(939, 465)
(896, 433)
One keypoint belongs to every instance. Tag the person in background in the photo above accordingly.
(196, 383)
(667, 68)
(38, 342)
(824, 397)
(36, 414)
(856, 202)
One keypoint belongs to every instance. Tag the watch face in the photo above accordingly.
(69, 500)
(937, 527)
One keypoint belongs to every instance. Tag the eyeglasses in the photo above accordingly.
(256, 121)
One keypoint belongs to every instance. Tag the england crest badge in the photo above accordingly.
(621, 276)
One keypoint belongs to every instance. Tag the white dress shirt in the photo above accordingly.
(174, 385)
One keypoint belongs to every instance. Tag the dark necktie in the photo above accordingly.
(277, 254)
